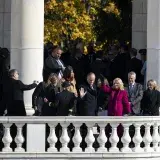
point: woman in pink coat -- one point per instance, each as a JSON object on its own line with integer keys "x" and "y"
{"x": 118, "y": 104}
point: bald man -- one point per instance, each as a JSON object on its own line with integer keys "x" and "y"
{"x": 87, "y": 101}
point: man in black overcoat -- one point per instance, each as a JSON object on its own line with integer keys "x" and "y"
{"x": 87, "y": 100}
{"x": 13, "y": 94}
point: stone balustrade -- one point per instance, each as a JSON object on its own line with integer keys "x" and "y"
{"x": 100, "y": 137}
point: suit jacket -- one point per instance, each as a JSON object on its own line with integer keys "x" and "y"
{"x": 151, "y": 103}
{"x": 65, "y": 101}
{"x": 87, "y": 105}
{"x": 118, "y": 104}
{"x": 135, "y": 96}
{"x": 51, "y": 66}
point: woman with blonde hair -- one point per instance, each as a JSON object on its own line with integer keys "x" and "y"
{"x": 151, "y": 99}
{"x": 118, "y": 104}
{"x": 44, "y": 93}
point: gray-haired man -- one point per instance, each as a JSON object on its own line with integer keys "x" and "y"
{"x": 135, "y": 93}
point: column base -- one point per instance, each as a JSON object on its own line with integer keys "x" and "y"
{"x": 29, "y": 110}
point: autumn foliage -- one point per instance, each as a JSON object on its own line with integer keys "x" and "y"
{"x": 67, "y": 20}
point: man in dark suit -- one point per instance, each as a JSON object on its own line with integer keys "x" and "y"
{"x": 13, "y": 94}
{"x": 135, "y": 65}
{"x": 53, "y": 64}
{"x": 65, "y": 101}
{"x": 87, "y": 101}
{"x": 135, "y": 93}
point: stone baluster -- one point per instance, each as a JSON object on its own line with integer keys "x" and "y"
{"x": 147, "y": 139}
{"x": 7, "y": 139}
{"x": 102, "y": 139}
{"x": 126, "y": 139}
{"x": 19, "y": 139}
{"x": 90, "y": 139}
{"x": 114, "y": 139}
{"x": 64, "y": 139}
{"x": 137, "y": 139}
{"x": 156, "y": 138}
{"x": 52, "y": 139}
{"x": 77, "y": 139}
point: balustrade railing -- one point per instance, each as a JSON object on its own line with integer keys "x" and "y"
{"x": 85, "y": 135}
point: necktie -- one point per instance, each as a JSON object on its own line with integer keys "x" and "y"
{"x": 92, "y": 87}
{"x": 131, "y": 88}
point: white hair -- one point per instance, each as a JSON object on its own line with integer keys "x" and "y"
{"x": 132, "y": 73}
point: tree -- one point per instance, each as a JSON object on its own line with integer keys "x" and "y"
{"x": 67, "y": 20}
{"x": 89, "y": 20}
{"x": 115, "y": 25}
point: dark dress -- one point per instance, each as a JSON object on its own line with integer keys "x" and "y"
{"x": 13, "y": 95}
{"x": 150, "y": 103}
{"x": 102, "y": 100}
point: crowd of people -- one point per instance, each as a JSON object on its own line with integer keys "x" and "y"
{"x": 108, "y": 84}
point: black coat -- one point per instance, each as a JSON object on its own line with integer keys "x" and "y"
{"x": 118, "y": 66}
{"x": 98, "y": 68}
{"x": 150, "y": 103}
{"x": 135, "y": 65}
{"x": 65, "y": 101}
{"x": 4, "y": 69}
{"x": 78, "y": 65}
{"x": 87, "y": 105}
{"x": 13, "y": 96}
{"x": 48, "y": 92}
{"x": 42, "y": 91}
{"x": 51, "y": 66}
{"x": 102, "y": 99}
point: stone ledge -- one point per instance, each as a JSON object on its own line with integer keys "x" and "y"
{"x": 124, "y": 156}
{"x": 79, "y": 119}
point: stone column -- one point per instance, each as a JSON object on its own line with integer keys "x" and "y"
{"x": 1, "y": 21}
{"x": 153, "y": 40}
{"x": 5, "y": 23}
{"x": 139, "y": 24}
{"x": 27, "y": 32}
